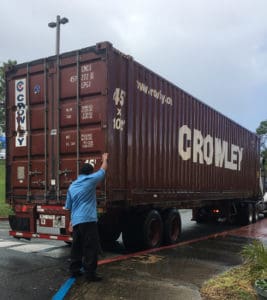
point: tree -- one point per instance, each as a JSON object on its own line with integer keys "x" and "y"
{"x": 3, "y": 91}
{"x": 262, "y": 132}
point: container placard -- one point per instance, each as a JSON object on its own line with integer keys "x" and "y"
{"x": 20, "y": 119}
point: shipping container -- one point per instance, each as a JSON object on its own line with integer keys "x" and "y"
{"x": 167, "y": 150}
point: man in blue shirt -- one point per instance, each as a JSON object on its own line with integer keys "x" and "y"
{"x": 81, "y": 201}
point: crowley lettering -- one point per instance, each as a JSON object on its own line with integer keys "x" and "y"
{"x": 208, "y": 150}
{"x": 20, "y": 119}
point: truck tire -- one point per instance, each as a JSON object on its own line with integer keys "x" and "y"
{"x": 152, "y": 229}
{"x": 172, "y": 226}
{"x": 142, "y": 231}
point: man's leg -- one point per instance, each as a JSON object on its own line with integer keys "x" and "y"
{"x": 76, "y": 251}
{"x": 90, "y": 250}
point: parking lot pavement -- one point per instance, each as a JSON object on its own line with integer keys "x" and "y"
{"x": 41, "y": 267}
{"x": 176, "y": 273}
{"x": 31, "y": 269}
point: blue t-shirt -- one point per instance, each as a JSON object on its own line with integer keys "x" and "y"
{"x": 81, "y": 198}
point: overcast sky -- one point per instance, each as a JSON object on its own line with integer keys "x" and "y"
{"x": 214, "y": 49}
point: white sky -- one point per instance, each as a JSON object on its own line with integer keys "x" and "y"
{"x": 214, "y": 49}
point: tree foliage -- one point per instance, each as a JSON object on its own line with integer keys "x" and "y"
{"x": 3, "y": 91}
{"x": 262, "y": 132}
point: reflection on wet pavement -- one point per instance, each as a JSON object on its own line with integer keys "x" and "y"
{"x": 256, "y": 231}
{"x": 175, "y": 273}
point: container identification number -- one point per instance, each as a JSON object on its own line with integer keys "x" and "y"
{"x": 86, "y": 78}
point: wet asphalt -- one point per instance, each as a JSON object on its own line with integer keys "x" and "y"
{"x": 30, "y": 273}
{"x": 176, "y": 273}
{"x": 172, "y": 273}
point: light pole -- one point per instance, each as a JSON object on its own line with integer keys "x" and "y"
{"x": 55, "y": 125}
{"x": 57, "y": 25}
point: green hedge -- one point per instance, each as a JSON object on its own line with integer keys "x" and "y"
{"x": 4, "y": 208}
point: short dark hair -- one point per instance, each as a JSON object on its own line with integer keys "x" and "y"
{"x": 86, "y": 169}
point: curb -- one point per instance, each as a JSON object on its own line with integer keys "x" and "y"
{"x": 3, "y": 219}
{"x": 62, "y": 292}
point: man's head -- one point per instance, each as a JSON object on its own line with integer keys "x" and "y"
{"x": 86, "y": 169}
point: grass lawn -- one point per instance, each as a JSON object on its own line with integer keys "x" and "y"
{"x": 235, "y": 284}
{"x": 4, "y": 208}
{"x": 238, "y": 283}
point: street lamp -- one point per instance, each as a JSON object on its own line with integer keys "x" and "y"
{"x": 57, "y": 25}
{"x": 55, "y": 163}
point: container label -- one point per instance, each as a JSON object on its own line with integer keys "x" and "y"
{"x": 154, "y": 93}
{"x": 21, "y": 116}
{"x": 87, "y": 111}
{"x": 21, "y": 174}
{"x": 119, "y": 96}
{"x": 86, "y": 78}
{"x": 52, "y": 221}
{"x": 208, "y": 150}
{"x": 87, "y": 140}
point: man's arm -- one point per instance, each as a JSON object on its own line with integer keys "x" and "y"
{"x": 98, "y": 176}
{"x": 104, "y": 161}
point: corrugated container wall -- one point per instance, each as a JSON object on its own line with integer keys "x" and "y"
{"x": 164, "y": 145}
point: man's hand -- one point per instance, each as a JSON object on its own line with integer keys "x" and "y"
{"x": 70, "y": 227}
{"x": 104, "y": 156}
{"x": 104, "y": 161}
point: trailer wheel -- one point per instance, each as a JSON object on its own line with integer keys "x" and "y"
{"x": 172, "y": 226}
{"x": 152, "y": 229}
{"x": 246, "y": 214}
{"x": 143, "y": 230}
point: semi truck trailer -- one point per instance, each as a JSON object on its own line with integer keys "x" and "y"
{"x": 167, "y": 150}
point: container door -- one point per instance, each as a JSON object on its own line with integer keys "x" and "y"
{"x": 27, "y": 134}
{"x": 82, "y": 116}
{"x": 56, "y": 121}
